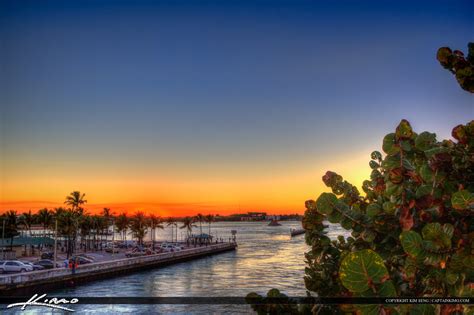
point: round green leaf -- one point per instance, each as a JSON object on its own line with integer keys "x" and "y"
{"x": 325, "y": 203}
{"x": 436, "y": 150}
{"x": 412, "y": 243}
{"x": 437, "y": 236}
{"x": 405, "y": 145}
{"x": 373, "y": 164}
{"x": 388, "y": 144}
{"x": 462, "y": 199}
{"x": 373, "y": 209}
{"x": 346, "y": 223}
{"x": 358, "y": 269}
{"x": 391, "y": 162}
{"x": 431, "y": 231}
{"x": 335, "y": 217}
{"x": 389, "y": 207}
{"x": 426, "y": 173}
{"x": 376, "y": 155}
{"x": 386, "y": 289}
{"x": 425, "y": 140}
{"x": 423, "y": 190}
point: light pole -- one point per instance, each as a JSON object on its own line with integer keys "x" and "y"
{"x": 55, "y": 241}
{"x": 172, "y": 233}
{"x": 3, "y": 239}
{"x": 113, "y": 238}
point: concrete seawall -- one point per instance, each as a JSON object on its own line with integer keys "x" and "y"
{"x": 48, "y": 279}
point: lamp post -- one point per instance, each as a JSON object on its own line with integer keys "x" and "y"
{"x": 3, "y": 239}
{"x": 113, "y": 238}
{"x": 55, "y": 241}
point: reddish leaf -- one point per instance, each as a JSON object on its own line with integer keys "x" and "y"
{"x": 396, "y": 175}
{"x": 406, "y": 219}
{"x": 459, "y": 133}
{"x": 424, "y": 202}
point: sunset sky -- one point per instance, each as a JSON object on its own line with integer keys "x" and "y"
{"x": 221, "y": 107}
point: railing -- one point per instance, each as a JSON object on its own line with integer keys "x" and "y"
{"x": 109, "y": 265}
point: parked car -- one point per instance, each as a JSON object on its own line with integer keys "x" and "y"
{"x": 82, "y": 260}
{"x": 86, "y": 256}
{"x": 127, "y": 244}
{"x": 46, "y": 263}
{"x": 47, "y": 255}
{"x": 112, "y": 249}
{"x": 35, "y": 267}
{"x": 169, "y": 248}
{"x": 14, "y": 266}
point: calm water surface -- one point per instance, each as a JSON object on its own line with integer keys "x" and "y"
{"x": 267, "y": 257}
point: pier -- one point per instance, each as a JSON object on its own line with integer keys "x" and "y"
{"x": 295, "y": 232}
{"x": 59, "y": 277}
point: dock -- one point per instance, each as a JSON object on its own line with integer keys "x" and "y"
{"x": 59, "y": 277}
{"x": 295, "y": 232}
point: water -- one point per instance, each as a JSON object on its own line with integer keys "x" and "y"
{"x": 267, "y": 257}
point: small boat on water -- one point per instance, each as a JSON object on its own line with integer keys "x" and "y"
{"x": 295, "y": 232}
{"x": 274, "y": 223}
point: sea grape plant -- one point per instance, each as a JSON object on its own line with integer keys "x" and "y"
{"x": 461, "y": 67}
{"x": 411, "y": 233}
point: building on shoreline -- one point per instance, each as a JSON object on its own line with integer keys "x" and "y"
{"x": 254, "y": 216}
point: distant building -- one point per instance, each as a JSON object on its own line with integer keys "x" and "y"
{"x": 272, "y": 217}
{"x": 254, "y": 216}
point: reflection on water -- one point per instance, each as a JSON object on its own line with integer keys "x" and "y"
{"x": 267, "y": 257}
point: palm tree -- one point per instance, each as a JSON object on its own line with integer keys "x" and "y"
{"x": 188, "y": 224}
{"x": 106, "y": 213}
{"x": 45, "y": 217}
{"x": 154, "y": 222}
{"x": 27, "y": 219}
{"x": 121, "y": 223}
{"x": 68, "y": 226}
{"x": 75, "y": 200}
{"x": 85, "y": 226}
{"x": 209, "y": 219}
{"x": 11, "y": 226}
{"x": 200, "y": 218}
{"x": 101, "y": 225}
{"x": 171, "y": 221}
{"x": 138, "y": 226}
{"x": 96, "y": 225}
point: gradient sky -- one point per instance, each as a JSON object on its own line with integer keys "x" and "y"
{"x": 182, "y": 107}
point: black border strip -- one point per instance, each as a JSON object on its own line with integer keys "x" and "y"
{"x": 219, "y": 300}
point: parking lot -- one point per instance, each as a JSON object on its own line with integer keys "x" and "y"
{"x": 109, "y": 252}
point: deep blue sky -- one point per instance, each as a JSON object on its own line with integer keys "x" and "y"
{"x": 220, "y": 88}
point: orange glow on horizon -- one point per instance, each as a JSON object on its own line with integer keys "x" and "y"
{"x": 282, "y": 192}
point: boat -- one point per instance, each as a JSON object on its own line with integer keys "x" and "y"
{"x": 295, "y": 232}
{"x": 274, "y": 223}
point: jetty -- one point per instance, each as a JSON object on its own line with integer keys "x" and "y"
{"x": 295, "y": 232}
{"x": 59, "y": 277}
